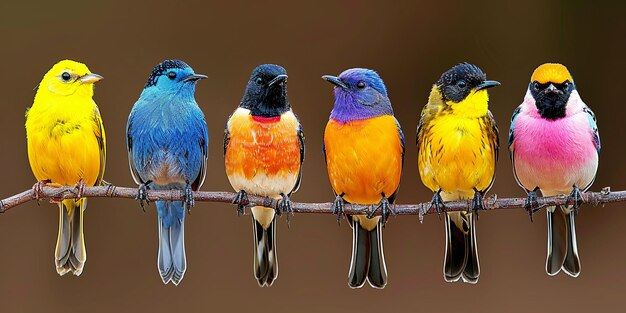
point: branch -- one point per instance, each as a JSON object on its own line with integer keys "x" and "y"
{"x": 421, "y": 209}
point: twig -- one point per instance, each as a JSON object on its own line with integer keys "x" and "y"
{"x": 421, "y": 209}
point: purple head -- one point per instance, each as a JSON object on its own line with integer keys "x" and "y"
{"x": 359, "y": 94}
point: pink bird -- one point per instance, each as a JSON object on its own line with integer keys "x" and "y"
{"x": 554, "y": 146}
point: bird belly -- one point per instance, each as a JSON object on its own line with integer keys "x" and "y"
{"x": 554, "y": 155}
{"x": 263, "y": 158}
{"x": 456, "y": 156}
{"x": 364, "y": 158}
{"x": 64, "y": 152}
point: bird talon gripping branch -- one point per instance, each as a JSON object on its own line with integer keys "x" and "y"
{"x": 188, "y": 200}
{"x": 142, "y": 195}
{"x": 575, "y": 199}
{"x": 338, "y": 208}
{"x": 38, "y": 188}
{"x": 241, "y": 200}
{"x": 437, "y": 203}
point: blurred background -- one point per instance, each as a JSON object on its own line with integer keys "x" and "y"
{"x": 410, "y": 45}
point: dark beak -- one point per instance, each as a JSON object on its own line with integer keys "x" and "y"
{"x": 335, "y": 81}
{"x": 278, "y": 79}
{"x": 90, "y": 78}
{"x": 487, "y": 84}
{"x": 194, "y": 77}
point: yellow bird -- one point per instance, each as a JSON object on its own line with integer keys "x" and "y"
{"x": 67, "y": 146}
{"x": 457, "y": 141}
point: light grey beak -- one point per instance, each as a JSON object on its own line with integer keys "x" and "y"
{"x": 194, "y": 77}
{"x": 277, "y": 79}
{"x": 90, "y": 78}
{"x": 335, "y": 81}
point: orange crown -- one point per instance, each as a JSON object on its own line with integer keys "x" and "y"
{"x": 551, "y": 72}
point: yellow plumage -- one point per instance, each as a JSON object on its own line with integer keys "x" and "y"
{"x": 67, "y": 146}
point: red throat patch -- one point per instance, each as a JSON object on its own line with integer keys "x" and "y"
{"x": 262, "y": 119}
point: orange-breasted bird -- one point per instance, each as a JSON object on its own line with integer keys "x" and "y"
{"x": 364, "y": 150}
{"x": 264, "y": 151}
{"x": 457, "y": 141}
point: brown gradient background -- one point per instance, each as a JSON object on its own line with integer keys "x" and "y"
{"x": 410, "y": 45}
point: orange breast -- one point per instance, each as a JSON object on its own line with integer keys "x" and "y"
{"x": 364, "y": 158}
{"x": 263, "y": 154}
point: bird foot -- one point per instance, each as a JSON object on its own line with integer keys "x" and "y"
{"x": 284, "y": 206}
{"x": 532, "y": 205}
{"x": 80, "y": 187}
{"x": 385, "y": 210}
{"x": 575, "y": 199}
{"x": 477, "y": 202}
{"x": 142, "y": 195}
{"x": 338, "y": 208}
{"x": 437, "y": 203}
{"x": 241, "y": 200}
{"x": 188, "y": 200}
{"x": 38, "y": 188}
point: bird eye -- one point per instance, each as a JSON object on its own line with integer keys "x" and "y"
{"x": 360, "y": 85}
{"x": 66, "y": 76}
{"x": 462, "y": 84}
{"x": 258, "y": 80}
{"x": 536, "y": 85}
{"x": 171, "y": 75}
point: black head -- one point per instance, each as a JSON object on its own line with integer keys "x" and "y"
{"x": 551, "y": 86}
{"x": 458, "y": 82}
{"x": 266, "y": 92}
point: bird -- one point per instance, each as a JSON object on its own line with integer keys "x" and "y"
{"x": 554, "y": 146}
{"x": 167, "y": 140}
{"x": 263, "y": 156}
{"x": 457, "y": 142}
{"x": 364, "y": 152}
{"x": 67, "y": 146}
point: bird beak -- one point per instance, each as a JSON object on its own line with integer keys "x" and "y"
{"x": 90, "y": 78}
{"x": 335, "y": 81}
{"x": 551, "y": 89}
{"x": 194, "y": 77}
{"x": 487, "y": 84}
{"x": 277, "y": 79}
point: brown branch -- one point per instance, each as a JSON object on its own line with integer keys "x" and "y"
{"x": 421, "y": 209}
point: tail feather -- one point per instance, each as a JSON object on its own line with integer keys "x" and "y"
{"x": 461, "y": 256}
{"x": 571, "y": 265}
{"x": 377, "y": 275}
{"x": 171, "y": 260}
{"x": 368, "y": 259}
{"x": 70, "y": 253}
{"x": 557, "y": 241}
{"x": 265, "y": 253}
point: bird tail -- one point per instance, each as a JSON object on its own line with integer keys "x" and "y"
{"x": 70, "y": 253}
{"x": 171, "y": 261}
{"x": 461, "y": 257}
{"x": 265, "y": 250}
{"x": 562, "y": 244}
{"x": 368, "y": 258}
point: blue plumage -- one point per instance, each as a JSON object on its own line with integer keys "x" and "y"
{"x": 167, "y": 140}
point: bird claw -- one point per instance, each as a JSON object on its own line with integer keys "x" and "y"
{"x": 338, "y": 208}
{"x": 142, "y": 195}
{"x": 241, "y": 200}
{"x": 80, "y": 187}
{"x": 532, "y": 205}
{"x": 385, "y": 210}
{"x": 284, "y": 206}
{"x": 38, "y": 188}
{"x": 437, "y": 203}
{"x": 188, "y": 200}
{"x": 575, "y": 198}
{"x": 477, "y": 202}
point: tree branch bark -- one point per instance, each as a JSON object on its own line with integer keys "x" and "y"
{"x": 421, "y": 209}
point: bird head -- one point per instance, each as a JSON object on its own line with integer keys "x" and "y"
{"x": 359, "y": 94}
{"x": 464, "y": 89}
{"x": 173, "y": 76}
{"x": 266, "y": 91}
{"x": 68, "y": 78}
{"x": 551, "y": 86}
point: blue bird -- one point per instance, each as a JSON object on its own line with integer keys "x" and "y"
{"x": 167, "y": 141}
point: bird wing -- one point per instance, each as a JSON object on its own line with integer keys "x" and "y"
{"x": 204, "y": 148}
{"x": 392, "y": 197}
{"x": 301, "y": 143}
{"x": 493, "y": 135}
{"x": 594, "y": 126}
{"x": 101, "y": 138}
{"x": 129, "y": 147}
{"x": 512, "y": 146}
